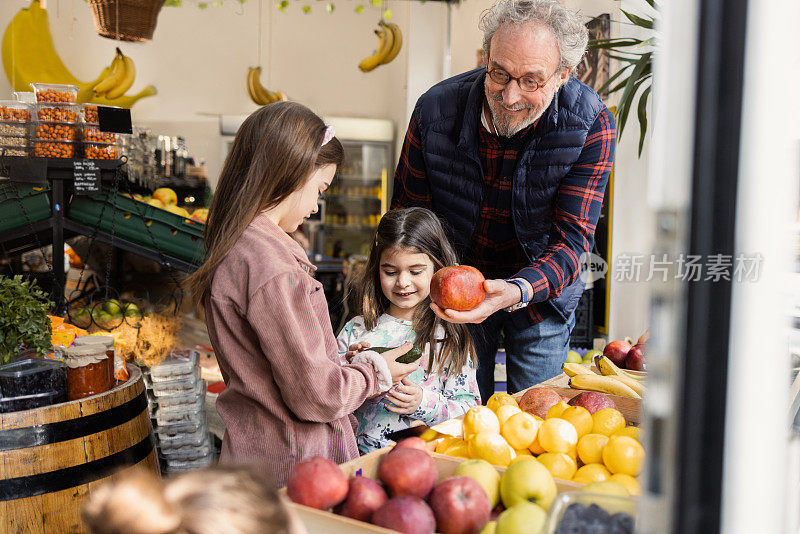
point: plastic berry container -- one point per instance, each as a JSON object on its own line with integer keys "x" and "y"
{"x": 32, "y": 377}
{"x": 575, "y": 511}
{"x": 54, "y": 92}
{"x": 94, "y": 135}
{"x": 100, "y": 150}
{"x": 67, "y": 113}
{"x": 13, "y": 111}
{"x": 54, "y": 149}
{"x": 60, "y": 131}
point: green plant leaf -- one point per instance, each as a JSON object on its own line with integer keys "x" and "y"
{"x": 613, "y": 43}
{"x": 616, "y": 75}
{"x": 634, "y": 81}
{"x": 387, "y": 15}
{"x": 642, "y": 112}
{"x": 306, "y": 9}
{"x": 375, "y": 3}
{"x": 639, "y": 21}
{"x": 330, "y": 7}
{"x": 216, "y": 3}
{"x": 173, "y": 3}
{"x": 202, "y": 5}
{"x": 359, "y": 9}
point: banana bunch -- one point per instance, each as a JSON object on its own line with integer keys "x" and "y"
{"x": 390, "y": 41}
{"x": 29, "y": 55}
{"x": 611, "y": 380}
{"x": 257, "y": 92}
{"x": 119, "y": 77}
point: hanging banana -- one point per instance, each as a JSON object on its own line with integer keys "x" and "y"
{"x": 257, "y": 92}
{"x": 29, "y": 55}
{"x": 390, "y": 41}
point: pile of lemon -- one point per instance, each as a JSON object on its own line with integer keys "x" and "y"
{"x": 571, "y": 442}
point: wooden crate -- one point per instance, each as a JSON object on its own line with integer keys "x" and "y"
{"x": 320, "y": 522}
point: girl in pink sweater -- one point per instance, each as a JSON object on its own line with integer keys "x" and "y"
{"x": 287, "y": 396}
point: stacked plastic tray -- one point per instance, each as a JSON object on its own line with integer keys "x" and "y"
{"x": 176, "y": 396}
{"x": 15, "y": 128}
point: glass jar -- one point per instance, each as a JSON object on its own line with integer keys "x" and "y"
{"x": 108, "y": 343}
{"x": 87, "y": 370}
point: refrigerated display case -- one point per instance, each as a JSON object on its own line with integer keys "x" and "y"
{"x": 359, "y": 194}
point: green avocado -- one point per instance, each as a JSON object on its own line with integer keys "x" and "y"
{"x": 409, "y": 357}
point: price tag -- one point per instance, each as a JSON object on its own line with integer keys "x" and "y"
{"x": 87, "y": 177}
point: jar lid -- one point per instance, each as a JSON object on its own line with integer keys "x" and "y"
{"x": 82, "y": 341}
{"x": 81, "y": 356}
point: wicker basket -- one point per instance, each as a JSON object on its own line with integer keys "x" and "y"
{"x": 126, "y": 20}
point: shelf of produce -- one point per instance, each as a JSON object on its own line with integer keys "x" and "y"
{"x": 318, "y": 521}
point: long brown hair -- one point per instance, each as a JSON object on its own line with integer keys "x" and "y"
{"x": 235, "y": 500}
{"x": 420, "y": 231}
{"x": 275, "y": 151}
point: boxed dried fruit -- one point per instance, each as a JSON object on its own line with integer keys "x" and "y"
{"x": 54, "y": 149}
{"x": 13, "y": 141}
{"x": 101, "y": 151}
{"x": 58, "y": 112}
{"x": 54, "y": 92}
{"x": 56, "y": 130}
{"x": 15, "y": 150}
{"x": 14, "y": 111}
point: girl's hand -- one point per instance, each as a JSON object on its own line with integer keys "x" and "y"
{"x": 499, "y": 294}
{"x": 354, "y": 349}
{"x": 405, "y": 396}
{"x": 399, "y": 370}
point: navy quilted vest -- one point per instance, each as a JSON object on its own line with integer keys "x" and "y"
{"x": 449, "y": 118}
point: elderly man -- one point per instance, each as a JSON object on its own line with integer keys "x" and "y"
{"x": 514, "y": 158}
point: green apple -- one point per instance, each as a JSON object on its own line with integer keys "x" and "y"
{"x": 522, "y": 518}
{"x": 589, "y": 356}
{"x": 489, "y": 528}
{"x": 574, "y": 357}
{"x": 485, "y": 474}
{"x": 527, "y": 481}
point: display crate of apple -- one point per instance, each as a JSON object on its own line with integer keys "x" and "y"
{"x": 403, "y": 475}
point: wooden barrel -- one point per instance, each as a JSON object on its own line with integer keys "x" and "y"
{"x": 52, "y": 457}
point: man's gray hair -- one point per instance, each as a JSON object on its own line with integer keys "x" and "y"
{"x": 565, "y": 24}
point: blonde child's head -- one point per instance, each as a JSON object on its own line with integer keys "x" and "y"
{"x": 277, "y": 149}
{"x": 415, "y": 231}
{"x": 233, "y": 500}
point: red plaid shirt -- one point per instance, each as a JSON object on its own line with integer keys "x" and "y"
{"x": 495, "y": 249}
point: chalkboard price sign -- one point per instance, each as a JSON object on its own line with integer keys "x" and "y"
{"x": 87, "y": 177}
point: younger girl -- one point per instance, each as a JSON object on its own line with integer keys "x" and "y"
{"x": 287, "y": 396}
{"x": 410, "y": 245}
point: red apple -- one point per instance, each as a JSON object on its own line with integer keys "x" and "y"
{"x": 635, "y": 359}
{"x": 408, "y": 471}
{"x": 409, "y": 515}
{"x": 317, "y": 482}
{"x": 364, "y": 497}
{"x": 593, "y": 401}
{"x": 460, "y": 506}
{"x": 412, "y": 442}
{"x": 616, "y": 352}
{"x": 457, "y": 288}
{"x": 537, "y": 401}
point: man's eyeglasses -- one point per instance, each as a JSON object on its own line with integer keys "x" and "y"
{"x": 526, "y": 83}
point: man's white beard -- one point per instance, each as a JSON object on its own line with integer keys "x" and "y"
{"x": 505, "y": 129}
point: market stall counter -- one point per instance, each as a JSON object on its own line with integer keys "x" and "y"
{"x": 51, "y": 457}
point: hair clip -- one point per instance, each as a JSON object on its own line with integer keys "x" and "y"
{"x": 330, "y": 131}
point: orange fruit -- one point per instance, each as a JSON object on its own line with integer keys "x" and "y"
{"x": 491, "y": 447}
{"x": 505, "y": 411}
{"x": 535, "y": 448}
{"x": 590, "y": 448}
{"x": 520, "y": 430}
{"x": 591, "y": 473}
{"x": 557, "y": 409}
{"x": 630, "y": 483}
{"x": 557, "y": 435}
{"x": 630, "y": 431}
{"x": 480, "y": 419}
{"x": 607, "y": 421}
{"x": 559, "y": 464}
{"x": 580, "y": 418}
{"x": 501, "y": 398}
{"x": 624, "y": 455}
